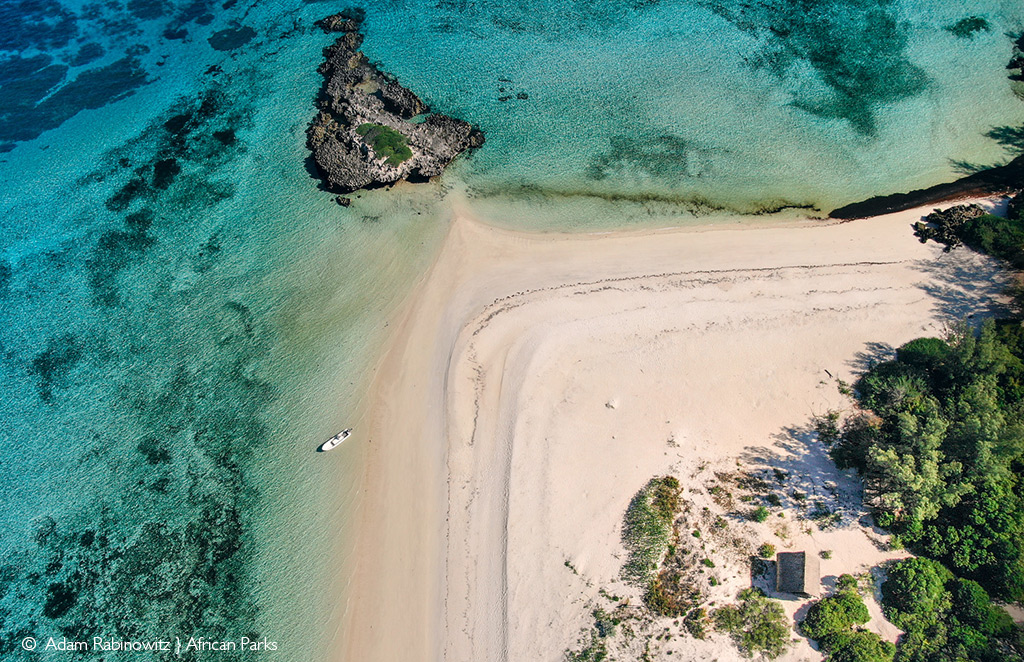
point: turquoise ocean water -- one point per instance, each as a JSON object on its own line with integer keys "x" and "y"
{"x": 185, "y": 315}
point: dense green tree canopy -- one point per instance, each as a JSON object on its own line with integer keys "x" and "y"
{"x": 942, "y": 453}
{"x": 940, "y": 444}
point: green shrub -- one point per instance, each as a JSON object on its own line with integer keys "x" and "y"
{"x": 915, "y": 587}
{"x": 667, "y": 595}
{"x": 972, "y": 606}
{"x": 604, "y": 623}
{"x": 846, "y": 583}
{"x": 946, "y": 618}
{"x": 825, "y": 554}
{"x": 927, "y": 354}
{"x": 386, "y": 142}
{"x": 996, "y": 236}
{"x": 827, "y": 427}
{"x": 834, "y": 614}
{"x": 695, "y": 622}
{"x": 757, "y": 624}
{"x": 766, "y": 550}
{"x": 861, "y": 646}
{"x": 592, "y": 650}
{"x": 665, "y": 497}
{"x": 831, "y": 622}
{"x": 759, "y": 514}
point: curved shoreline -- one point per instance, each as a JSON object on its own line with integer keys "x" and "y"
{"x": 439, "y": 550}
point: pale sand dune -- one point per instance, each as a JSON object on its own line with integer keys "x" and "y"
{"x": 536, "y": 382}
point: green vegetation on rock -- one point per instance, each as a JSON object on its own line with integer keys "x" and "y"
{"x": 386, "y": 142}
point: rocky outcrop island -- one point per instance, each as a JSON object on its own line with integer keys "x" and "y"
{"x": 362, "y": 136}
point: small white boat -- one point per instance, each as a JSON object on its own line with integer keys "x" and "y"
{"x": 335, "y": 441}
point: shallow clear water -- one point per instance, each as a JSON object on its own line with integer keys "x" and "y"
{"x": 185, "y": 316}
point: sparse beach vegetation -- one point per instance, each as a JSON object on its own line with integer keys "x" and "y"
{"x": 647, "y": 528}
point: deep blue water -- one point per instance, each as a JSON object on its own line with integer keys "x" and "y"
{"x": 184, "y": 315}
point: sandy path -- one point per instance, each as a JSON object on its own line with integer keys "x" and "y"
{"x": 535, "y": 383}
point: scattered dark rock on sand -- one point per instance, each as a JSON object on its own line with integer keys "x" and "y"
{"x": 361, "y": 136}
{"x": 343, "y": 201}
{"x": 944, "y": 226}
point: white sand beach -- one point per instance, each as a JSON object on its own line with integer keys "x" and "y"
{"x": 534, "y": 383}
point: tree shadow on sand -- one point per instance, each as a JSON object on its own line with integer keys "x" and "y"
{"x": 965, "y": 285}
{"x": 811, "y": 485}
{"x": 872, "y": 354}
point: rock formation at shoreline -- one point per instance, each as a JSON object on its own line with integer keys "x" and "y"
{"x": 362, "y": 136}
{"x": 993, "y": 181}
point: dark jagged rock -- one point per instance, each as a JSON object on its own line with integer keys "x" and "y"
{"x": 993, "y": 181}
{"x": 945, "y": 226}
{"x": 361, "y": 136}
{"x": 343, "y": 201}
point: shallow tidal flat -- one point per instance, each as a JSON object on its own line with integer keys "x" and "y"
{"x": 536, "y": 383}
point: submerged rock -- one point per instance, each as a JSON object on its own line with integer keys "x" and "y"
{"x": 361, "y": 136}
